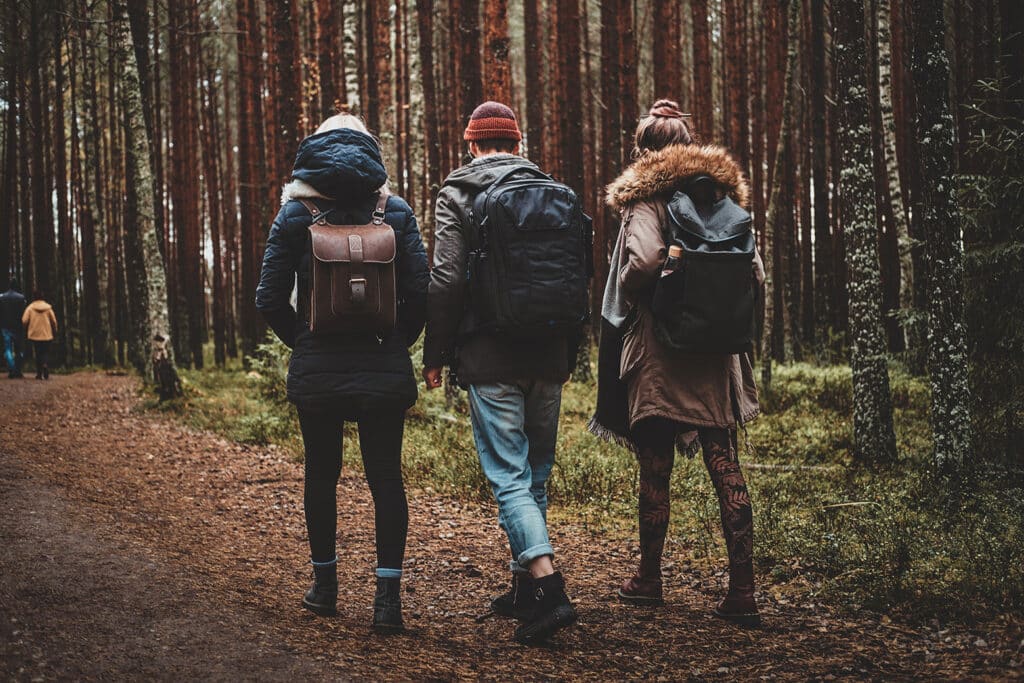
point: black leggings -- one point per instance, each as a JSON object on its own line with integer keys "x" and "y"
{"x": 380, "y": 440}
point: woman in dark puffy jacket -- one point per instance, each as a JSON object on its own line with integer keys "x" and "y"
{"x": 337, "y": 378}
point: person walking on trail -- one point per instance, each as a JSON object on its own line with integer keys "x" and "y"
{"x": 41, "y": 324}
{"x": 507, "y": 299}
{"x": 12, "y": 307}
{"x": 656, "y": 390}
{"x": 362, "y": 284}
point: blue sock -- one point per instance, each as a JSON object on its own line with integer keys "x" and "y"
{"x": 386, "y": 573}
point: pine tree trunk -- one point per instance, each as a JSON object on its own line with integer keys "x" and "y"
{"x": 8, "y": 193}
{"x": 947, "y": 348}
{"x": 328, "y": 50}
{"x": 153, "y": 327}
{"x": 628, "y": 77}
{"x": 776, "y": 224}
{"x": 250, "y": 171}
{"x": 873, "y": 435}
{"x": 42, "y": 218}
{"x": 67, "y": 270}
{"x": 94, "y": 239}
{"x": 535, "y": 124}
{"x": 469, "y": 59}
{"x": 819, "y": 165}
{"x": 667, "y": 78}
{"x": 497, "y": 69}
{"x": 703, "y": 115}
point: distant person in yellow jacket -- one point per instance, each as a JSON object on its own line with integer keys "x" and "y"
{"x": 41, "y": 324}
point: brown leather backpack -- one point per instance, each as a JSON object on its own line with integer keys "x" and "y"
{"x": 352, "y": 274}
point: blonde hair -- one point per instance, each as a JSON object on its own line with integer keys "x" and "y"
{"x": 337, "y": 121}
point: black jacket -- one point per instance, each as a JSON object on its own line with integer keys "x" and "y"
{"x": 480, "y": 357}
{"x": 12, "y": 306}
{"x": 342, "y": 169}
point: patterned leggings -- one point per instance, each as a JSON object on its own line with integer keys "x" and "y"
{"x": 655, "y": 439}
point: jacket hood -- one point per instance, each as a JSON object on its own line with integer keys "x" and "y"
{"x": 40, "y": 306}
{"x": 336, "y": 164}
{"x": 666, "y": 169}
{"x": 480, "y": 173}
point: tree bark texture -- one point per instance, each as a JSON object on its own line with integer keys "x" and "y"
{"x": 873, "y": 433}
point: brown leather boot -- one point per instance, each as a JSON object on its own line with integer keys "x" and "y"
{"x": 739, "y": 605}
{"x": 639, "y": 590}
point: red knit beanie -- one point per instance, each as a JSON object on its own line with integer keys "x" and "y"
{"x": 492, "y": 121}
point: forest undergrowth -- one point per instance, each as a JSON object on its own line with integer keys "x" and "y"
{"x": 885, "y": 537}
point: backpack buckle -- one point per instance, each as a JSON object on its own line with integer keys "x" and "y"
{"x": 358, "y": 287}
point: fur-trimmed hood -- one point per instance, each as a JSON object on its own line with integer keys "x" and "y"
{"x": 666, "y": 169}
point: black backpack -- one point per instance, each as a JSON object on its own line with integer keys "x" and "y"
{"x": 707, "y": 304}
{"x": 530, "y": 271}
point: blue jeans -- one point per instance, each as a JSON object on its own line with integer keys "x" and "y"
{"x": 12, "y": 352}
{"x": 515, "y": 426}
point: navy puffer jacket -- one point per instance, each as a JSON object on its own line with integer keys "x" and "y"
{"x": 341, "y": 171}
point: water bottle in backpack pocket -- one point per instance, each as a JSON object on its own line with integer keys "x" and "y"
{"x": 706, "y": 303}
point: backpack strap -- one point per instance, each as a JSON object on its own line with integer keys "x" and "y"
{"x": 314, "y": 210}
{"x": 379, "y": 210}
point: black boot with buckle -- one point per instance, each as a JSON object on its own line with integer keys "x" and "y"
{"x": 322, "y": 596}
{"x": 549, "y": 610}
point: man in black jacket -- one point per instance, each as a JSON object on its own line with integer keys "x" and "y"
{"x": 515, "y": 385}
{"x": 12, "y": 306}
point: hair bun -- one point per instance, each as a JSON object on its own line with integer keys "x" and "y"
{"x": 667, "y": 109}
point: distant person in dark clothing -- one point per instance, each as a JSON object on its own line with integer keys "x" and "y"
{"x": 41, "y": 324}
{"x": 12, "y": 306}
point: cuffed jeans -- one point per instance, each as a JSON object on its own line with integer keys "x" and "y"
{"x": 515, "y": 426}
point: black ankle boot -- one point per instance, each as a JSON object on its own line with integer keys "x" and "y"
{"x": 549, "y": 610}
{"x": 322, "y": 596}
{"x": 515, "y": 602}
{"x": 387, "y": 606}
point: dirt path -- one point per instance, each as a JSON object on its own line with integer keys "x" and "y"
{"x": 136, "y": 548}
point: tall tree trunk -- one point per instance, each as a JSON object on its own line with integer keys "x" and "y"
{"x": 819, "y": 165}
{"x": 469, "y": 59}
{"x": 667, "y": 77}
{"x": 703, "y": 114}
{"x": 535, "y": 124}
{"x": 432, "y": 133}
{"x": 289, "y": 84}
{"x": 606, "y": 223}
{"x": 65, "y": 235}
{"x": 873, "y": 434}
{"x": 779, "y": 206}
{"x": 8, "y": 193}
{"x": 947, "y": 348}
{"x": 379, "y": 89}
{"x": 629, "y": 77}
{"x": 497, "y": 68}
{"x": 94, "y": 241}
{"x": 42, "y": 218}
{"x": 898, "y": 210}
{"x": 330, "y": 21}
{"x": 251, "y": 162}
{"x": 142, "y": 242}
{"x": 211, "y": 182}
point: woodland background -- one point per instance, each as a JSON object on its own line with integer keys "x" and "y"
{"x": 145, "y": 144}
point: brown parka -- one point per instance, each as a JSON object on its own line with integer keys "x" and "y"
{"x": 697, "y": 389}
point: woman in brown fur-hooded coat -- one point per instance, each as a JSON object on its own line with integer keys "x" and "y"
{"x": 652, "y": 396}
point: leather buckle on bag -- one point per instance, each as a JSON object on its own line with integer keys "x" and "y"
{"x": 358, "y": 287}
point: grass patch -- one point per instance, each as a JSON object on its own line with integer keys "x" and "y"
{"x": 887, "y": 538}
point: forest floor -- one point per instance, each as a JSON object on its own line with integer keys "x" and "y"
{"x": 135, "y": 547}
